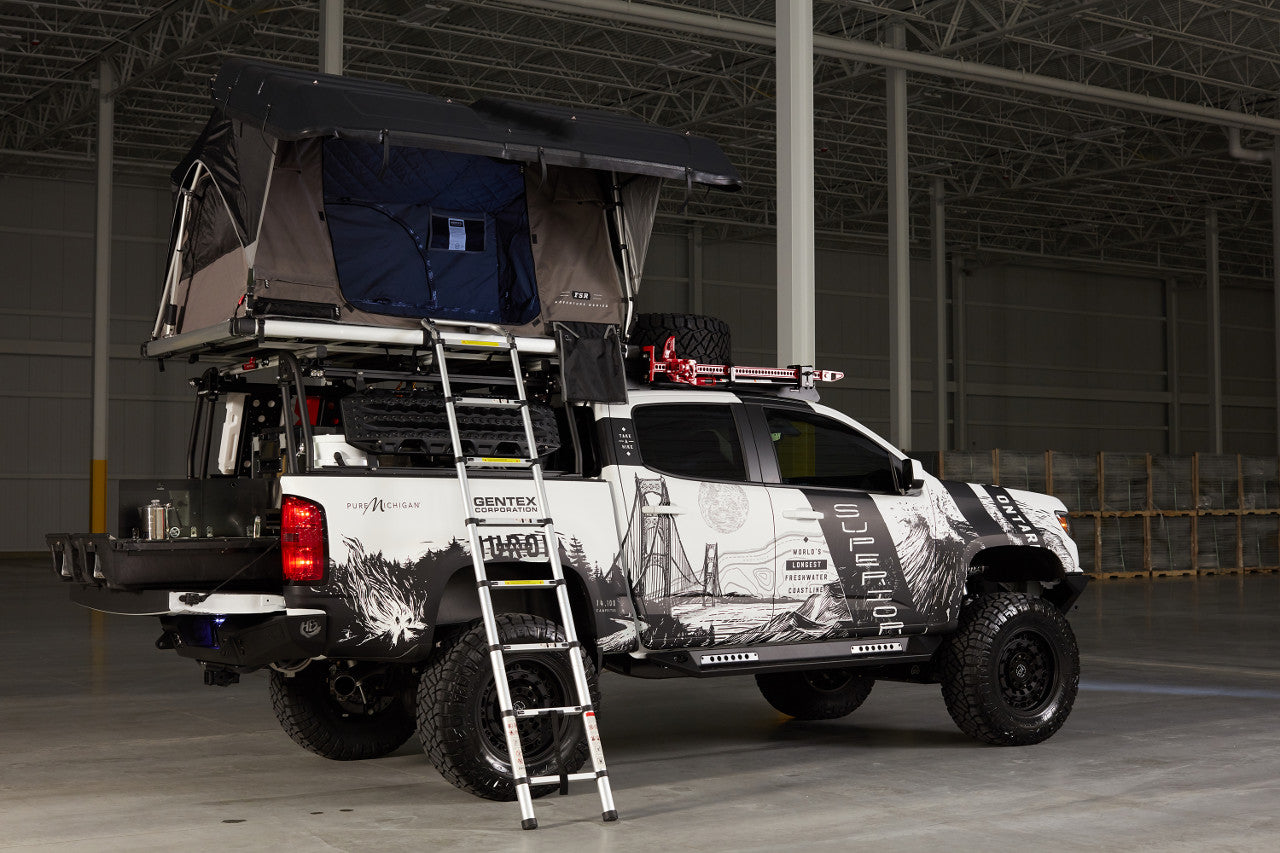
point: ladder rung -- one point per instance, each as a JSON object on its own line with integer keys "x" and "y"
{"x": 484, "y": 522}
{"x": 555, "y": 780}
{"x": 489, "y": 402}
{"x": 473, "y": 343}
{"x": 497, "y": 462}
{"x": 537, "y": 647}
{"x": 546, "y": 712}
{"x": 528, "y": 583}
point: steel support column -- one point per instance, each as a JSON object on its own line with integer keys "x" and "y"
{"x": 1275, "y": 270}
{"x": 102, "y": 298}
{"x": 1171, "y": 364}
{"x": 959, "y": 406}
{"x": 938, "y": 197}
{"x": 899, "y": 259}
{"x": 1214, "y": 319}
{"x": 796, "y": 302}
{"x": 331, "y": 37}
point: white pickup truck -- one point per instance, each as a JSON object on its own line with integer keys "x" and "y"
{"x": 323, "y": 226}
{"x": 740, "y": 530}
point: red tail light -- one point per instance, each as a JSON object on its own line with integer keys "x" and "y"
{"x": 302, "y": 540}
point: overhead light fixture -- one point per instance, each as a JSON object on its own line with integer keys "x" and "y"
{"x": 424, "y": 14}
{"x": 1132, "y": 39}
{"x": 692, "y": 56}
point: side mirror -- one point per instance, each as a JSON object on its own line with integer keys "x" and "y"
{"x": 908, "y": 480}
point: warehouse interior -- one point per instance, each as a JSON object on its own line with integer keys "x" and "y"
{"x": 1040, "y": 239}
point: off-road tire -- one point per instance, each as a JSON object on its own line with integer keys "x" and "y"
{"x": 313, "y": 715}
{"x": 460, "y": 725}
{"x": 1011, "y": 670}
{"x": 818, "y": 694}
{"x": 698, "y": 337}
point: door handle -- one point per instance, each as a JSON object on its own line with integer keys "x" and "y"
{"x": 803, "y": 515}
{"x": 662, "y": 510}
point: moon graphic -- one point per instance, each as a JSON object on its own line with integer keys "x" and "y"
{"x": 723, "y": 506}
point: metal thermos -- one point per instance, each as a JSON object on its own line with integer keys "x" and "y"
{"x": 157, "y": 520}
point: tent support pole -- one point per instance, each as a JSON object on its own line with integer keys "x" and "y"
{"x": 629, "y": 272}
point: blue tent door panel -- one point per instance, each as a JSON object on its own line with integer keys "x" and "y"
{"x": 399, "y": 282}
{"x": 452, "y": 233}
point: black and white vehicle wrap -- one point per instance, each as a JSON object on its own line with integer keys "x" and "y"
{"x": 679, "y": 551}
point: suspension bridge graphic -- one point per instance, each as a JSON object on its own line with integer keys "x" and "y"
{"x": 654, "y": 558}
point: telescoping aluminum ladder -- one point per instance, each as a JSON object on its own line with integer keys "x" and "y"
{"x": 456, "y": 337}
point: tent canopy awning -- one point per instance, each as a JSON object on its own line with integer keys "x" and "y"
{"x": 290, "y": 104}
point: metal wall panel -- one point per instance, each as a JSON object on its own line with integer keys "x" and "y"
{"x": 46, "y": 243}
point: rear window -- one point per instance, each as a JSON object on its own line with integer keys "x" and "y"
{"x": 697, "y": 441}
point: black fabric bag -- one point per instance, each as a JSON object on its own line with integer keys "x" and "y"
{"x": 591, "y": 363}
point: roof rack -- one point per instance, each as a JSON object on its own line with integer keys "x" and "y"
{"x": 687, "y": 371}
{"x": 238, "y": 338}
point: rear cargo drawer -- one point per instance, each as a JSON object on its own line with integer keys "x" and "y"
{"x": 239, "y": 563}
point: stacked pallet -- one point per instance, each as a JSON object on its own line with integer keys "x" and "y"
{"x": 1135, "y": 514}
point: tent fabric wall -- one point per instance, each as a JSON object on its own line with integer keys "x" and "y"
{"x": 567, "y": 208}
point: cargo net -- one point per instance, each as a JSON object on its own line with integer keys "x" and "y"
{"x": 1171, "y": 543}
{"x": 415, "y": 424}
{"x": 1216, "y": 536}
{"x": 1260, "y": 482}
{"x": 1022, "y": 470}
{"x": 968, "y": 466}
{"x": 1219, "y": 483}
{"x": 1075, "y": 480}
{"x": 1172, "y": 486}
{"x": 1123, "y": 543}
{"x": 1124, "y": 482}
{"x": 1260, "y": 541}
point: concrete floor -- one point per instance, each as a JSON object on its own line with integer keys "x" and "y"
{"x": 107, "y": 744}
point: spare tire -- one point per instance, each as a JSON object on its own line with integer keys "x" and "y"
{"x": 698, "y": 337}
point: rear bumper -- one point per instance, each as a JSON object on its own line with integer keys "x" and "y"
{"x": 247, "y": 642}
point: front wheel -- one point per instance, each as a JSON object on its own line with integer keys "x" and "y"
{"x": 1011, "y": 670}
{"x": 460, "y": 722}
{"x": 345, "y": 710}
{"x": 820, "y": 694}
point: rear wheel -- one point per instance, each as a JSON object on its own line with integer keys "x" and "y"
{"x": 1011, "y": 670}
{"x": 460, "y": 723}
{"x": 819, "y": 694}
{"x": 345, "y": 711}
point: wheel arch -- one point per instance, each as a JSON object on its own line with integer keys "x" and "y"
{"x": 459, "y": 602}
{"x": 1027, "y": 568}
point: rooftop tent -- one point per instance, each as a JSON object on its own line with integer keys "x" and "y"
{"x": 318, "y": 196}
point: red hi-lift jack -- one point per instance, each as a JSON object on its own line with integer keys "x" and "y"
{"x": 686, "y": 371}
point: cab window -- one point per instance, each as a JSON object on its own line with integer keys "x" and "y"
{"x": 813, "y": 450}
{"x": 698, "y": 441}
